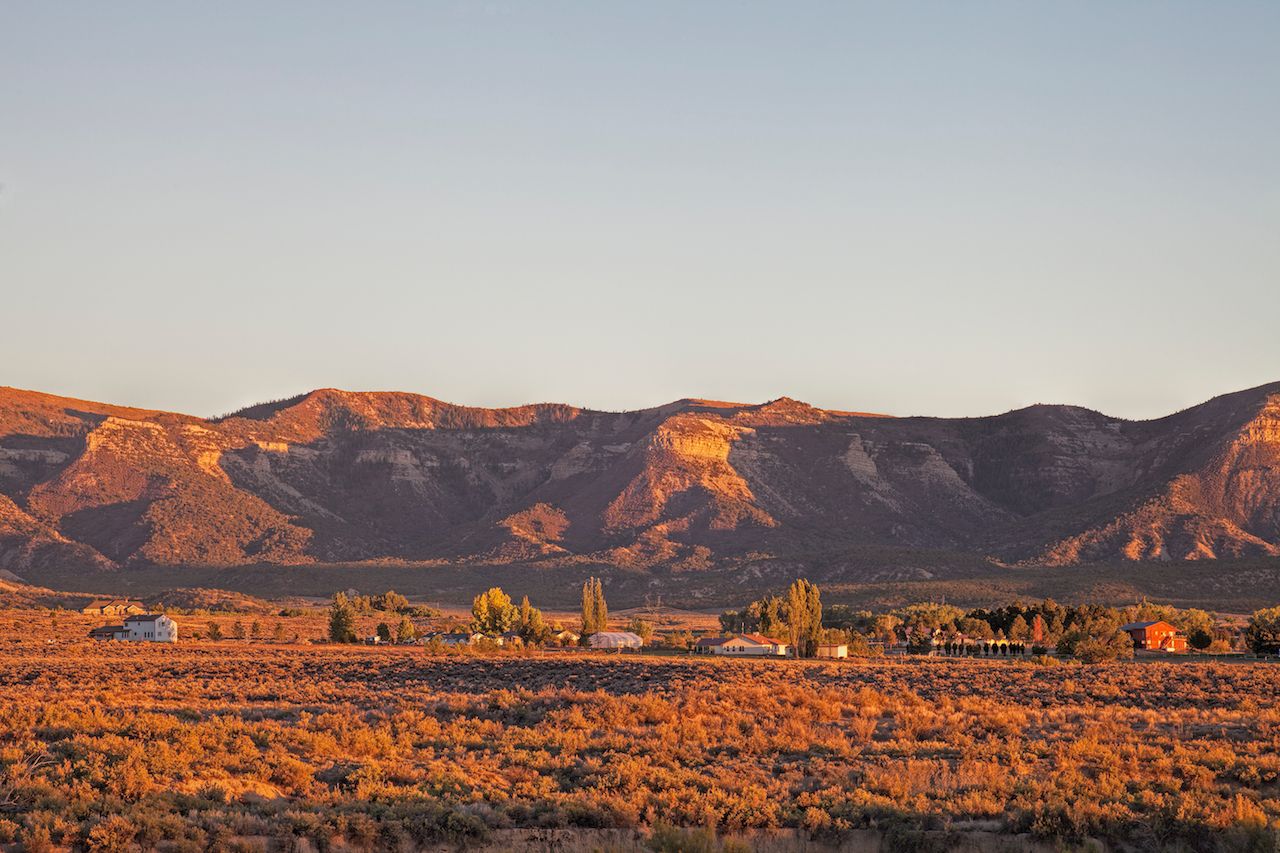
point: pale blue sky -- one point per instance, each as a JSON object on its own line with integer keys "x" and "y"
{"x": 936, "y": 208}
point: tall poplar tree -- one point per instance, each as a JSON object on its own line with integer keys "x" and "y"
{"x": 602, "y": 608}
{"x": 595, "y": 610}
{"x": 804, "y": 617}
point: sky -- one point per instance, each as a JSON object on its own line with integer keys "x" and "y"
{"x": 912, "y": 208}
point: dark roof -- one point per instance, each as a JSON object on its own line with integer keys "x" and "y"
{"x": 1137, "y": 626}
{"x": 711, "y": 641}
{"x": 106, "y": 629}
{"x": 143, "y": 617}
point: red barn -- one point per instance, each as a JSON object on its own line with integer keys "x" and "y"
{"x": 1158, "y": 636}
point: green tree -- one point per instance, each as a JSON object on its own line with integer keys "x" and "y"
{"x": 975, "y": 629}
{"x": 924, "y": 618}
{"x": 1199, "y": 639}
{"x": 1019, "y": 631}
{"x": 384, "y": 632}
{"x": 277, "y": 633}
{"x": 405, "y": 632}
{"x": 860, "y": 647}
{"x": 1192, "y": 620}
{"x": 1263, "y": 634}
{"x": 804, "y": 617}
{"x": 732, "y": 622}
{"x": 392, "y": 602}
{"x": 885, "y": 627}
{"x": 533, "y": 627}
{"x": 215, "y": 631}
{"x": 237, "y": 630}
{"x": 342, "y": 619}
{"x": 641, "y": 629}
{"x": 767, "y": 616}
{"x": 492, "y": 612}
{"x": 595, "y": 611}
{"x": 1097, "y": 648}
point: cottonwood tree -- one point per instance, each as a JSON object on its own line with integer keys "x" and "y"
{"x": 885, "y": 627}
{"x": 492, "y": 612}
{"x": 533, "y": 627}
{"x": 405, "y": 632}
{"x": 391, "y": 602}
{"x": 1097, "y": 648}
{"x": 1263, "y": 633}
{"x": 641, "y": 629}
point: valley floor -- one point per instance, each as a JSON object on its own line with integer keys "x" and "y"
{"x": 288, "y": 747}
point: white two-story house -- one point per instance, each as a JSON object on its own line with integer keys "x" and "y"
{"x": 150, "y": 627}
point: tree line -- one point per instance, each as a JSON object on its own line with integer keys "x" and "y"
{"x": 1087, "y": 631}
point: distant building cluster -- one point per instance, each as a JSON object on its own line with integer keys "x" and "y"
{"x": 113, "y": 607}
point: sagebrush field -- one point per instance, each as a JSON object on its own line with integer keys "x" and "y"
{"x": 265, "y": 746}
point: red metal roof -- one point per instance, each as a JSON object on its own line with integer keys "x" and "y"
{"x": 761, "y": 640}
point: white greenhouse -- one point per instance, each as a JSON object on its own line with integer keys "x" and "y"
{"x": 615, "y": 640}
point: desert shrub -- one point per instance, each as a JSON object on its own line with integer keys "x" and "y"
{"x": 37, "y": 839}
{"x": 197, "y": 746}
{"x": 114, "y": 834}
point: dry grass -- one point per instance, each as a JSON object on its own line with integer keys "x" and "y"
{"x": 200, "y": 746}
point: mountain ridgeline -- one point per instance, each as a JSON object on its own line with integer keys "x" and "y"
{"x": 341, "y": 477}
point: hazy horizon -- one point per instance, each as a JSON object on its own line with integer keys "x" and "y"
{"x": 918, "y": 208}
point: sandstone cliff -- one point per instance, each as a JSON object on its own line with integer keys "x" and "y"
{"x": 335, "y": 476}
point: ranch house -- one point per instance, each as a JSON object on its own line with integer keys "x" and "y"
{"x": 1157, "y": 636}
{"x": 751, "y": 644}
{"x": 142, "y": 628}
{"x": 707, "y": 645}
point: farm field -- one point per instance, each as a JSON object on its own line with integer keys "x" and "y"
{"x": 261, "y": 746}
